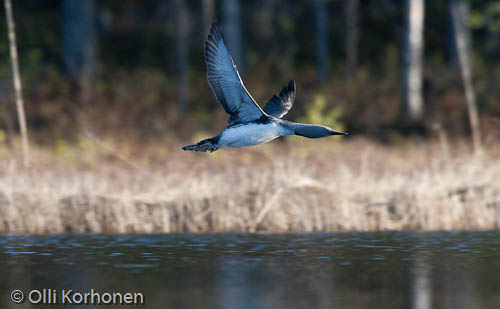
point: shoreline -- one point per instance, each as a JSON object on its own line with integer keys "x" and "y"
{"x": 356, "y": 186}
{"x": 104, "y": 215}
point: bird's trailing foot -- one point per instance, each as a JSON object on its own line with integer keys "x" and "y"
{"x": 203, "y": 146}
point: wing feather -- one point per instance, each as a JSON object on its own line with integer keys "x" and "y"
{"x": 225, "y": 81}
{"x": 280, "y": 104}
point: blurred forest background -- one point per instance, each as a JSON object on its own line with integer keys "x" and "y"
{"x": 113, "y": 89}
{"x": 135, "y": 69}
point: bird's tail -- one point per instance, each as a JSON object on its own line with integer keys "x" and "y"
{"x": 203, "y": 146}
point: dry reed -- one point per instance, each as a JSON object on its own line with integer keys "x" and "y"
{"x": 316, "y": 186}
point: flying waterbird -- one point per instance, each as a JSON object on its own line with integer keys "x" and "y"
{"x": 248, "y": 124}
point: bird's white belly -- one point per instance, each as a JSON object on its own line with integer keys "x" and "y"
{"x": 248, "y": 135}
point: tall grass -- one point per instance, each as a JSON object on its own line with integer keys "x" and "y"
{"x": 278, "y": 187}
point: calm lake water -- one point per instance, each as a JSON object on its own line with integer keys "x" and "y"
{"x": 340, "y": 270}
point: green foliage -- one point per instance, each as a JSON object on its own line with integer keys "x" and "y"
{"x": 488, "y": 17}
{"x": 319, "y": 113}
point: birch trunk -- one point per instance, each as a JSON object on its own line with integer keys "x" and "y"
{"x": 413, "y": 51}
{"x": 17, "y": 82}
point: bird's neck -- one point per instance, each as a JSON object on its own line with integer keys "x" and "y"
{"x": 291, "y": 128}
{"x": 306, "y": 130}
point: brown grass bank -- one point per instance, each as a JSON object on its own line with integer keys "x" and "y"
{"x": 100, "y": 187}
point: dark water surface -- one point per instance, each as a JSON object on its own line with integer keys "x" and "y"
{"x": 341, "y": 270}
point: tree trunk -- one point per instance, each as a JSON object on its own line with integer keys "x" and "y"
{"x": 17, "y": 82}
{"x": 181, "y": 44}
{"x": 352, "y": 35}
{"x": 232, "y": 31}
{"x": 265, "y": 19}
{"x": 413, "y": 51}
{"x": 322, "y": 47}
{"x": 208, "y": 11}
{"x": 459, "y": 10}
{"x": 79, "y": 40}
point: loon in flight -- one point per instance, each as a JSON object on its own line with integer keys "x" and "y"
{"x": 248, "y": 124}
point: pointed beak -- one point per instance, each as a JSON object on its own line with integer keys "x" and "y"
{"x": 338, "y": 133}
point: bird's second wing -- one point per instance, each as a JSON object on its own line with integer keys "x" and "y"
{"x": 225, "y": 81}
{"x": 280, "y": 104}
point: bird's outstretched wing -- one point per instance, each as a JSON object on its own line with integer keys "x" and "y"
{"x": 280, "y": 104}
{"x": 225, "y": 81}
